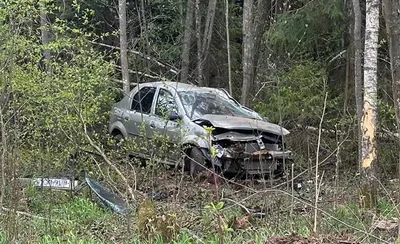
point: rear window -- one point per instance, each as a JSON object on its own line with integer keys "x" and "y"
{"x": 143, "y": 100}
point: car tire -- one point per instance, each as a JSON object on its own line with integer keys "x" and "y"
{"x": 197, "y": 161}
{"x": 279, "y": 172}
{"x": 118, "y": 137}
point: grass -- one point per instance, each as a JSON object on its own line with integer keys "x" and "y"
{"x": 80, "y": 219}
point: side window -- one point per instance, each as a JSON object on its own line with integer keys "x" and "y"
{"x": 143, "y": 99}
{"x": 165, "y": 103}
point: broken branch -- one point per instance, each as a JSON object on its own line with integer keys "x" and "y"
{"x": 105, "y": 158}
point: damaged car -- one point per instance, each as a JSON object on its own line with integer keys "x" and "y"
{"x": 242, "y": 140}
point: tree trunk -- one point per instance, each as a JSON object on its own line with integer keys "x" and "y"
{"x": 348, "y": 42}
{"x": 123, "y": 45}
{"x": 144, "y": 35}
{"x": 208, "y": 31}
{"x": 259, "y": 24}
{"x": 45, "y": 34}
{"x": 358, "y": 72}
{"x": 228, "y": 47}
{"x": 198, "y": 41}
{"x": 186, "y": 42}
{"x": 2, "y": 155}
{"x": 392, "y": 19}
{"x": 247, "y": 49}
{"x": 254, "y": 22}
{"x": 368, "y": 124}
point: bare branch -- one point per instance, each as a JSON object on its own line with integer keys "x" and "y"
{"x": 105, "y": 158}
{"x": 169, "y": 67}
{"x": 316, "y": 165}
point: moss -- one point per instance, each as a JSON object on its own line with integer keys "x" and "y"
{"x": 154, "y": 225}
{"x": 146, "y": 218}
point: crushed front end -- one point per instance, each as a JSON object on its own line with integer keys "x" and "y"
{"x": 250, "y": 152}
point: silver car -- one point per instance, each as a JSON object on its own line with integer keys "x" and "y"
{"x": 242, "y": 141}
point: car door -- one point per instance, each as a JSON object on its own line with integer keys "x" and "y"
{"x": 136, "y": 121}
{"x": 163, "y": 126}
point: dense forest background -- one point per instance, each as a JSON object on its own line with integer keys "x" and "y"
{"x": 297, "y": 62}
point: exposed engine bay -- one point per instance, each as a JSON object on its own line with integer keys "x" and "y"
{"x": 249, "y": 151}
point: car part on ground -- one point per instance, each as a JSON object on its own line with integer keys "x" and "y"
{"x": 107, "y": 197}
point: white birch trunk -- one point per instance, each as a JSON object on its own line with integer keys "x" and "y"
{"x": 368, "y": 124}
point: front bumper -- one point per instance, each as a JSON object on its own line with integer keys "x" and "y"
{"x": 254, "y": 163}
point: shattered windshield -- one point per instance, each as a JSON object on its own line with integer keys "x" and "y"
{"x": 201, "y": 102}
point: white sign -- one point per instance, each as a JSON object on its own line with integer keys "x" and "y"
{"x": 53, "y": 183}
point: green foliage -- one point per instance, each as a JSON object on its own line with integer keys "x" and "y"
{"x": 299, "y": 95}
{"x": 49, "y": 97}
{"x": 82, "y": 209}
{"x": 49, "y": 239}
{"x": 350, "y": 214}
{"x": 165, "y": 30}
{"x": 387, "y": 115}
{"x": 386, "y": 208}
{"x": 214, "y": 207}
{"x": 153, "y": 225}
{"x": 3, "y": 237}
{"x": 146, "y": 216}
{"x": 314, "y": 30}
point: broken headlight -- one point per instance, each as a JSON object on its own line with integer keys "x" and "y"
{"x": 220, "y": 150}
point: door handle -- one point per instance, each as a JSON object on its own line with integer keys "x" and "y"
{"x": 152, "y": 125}
{"x": 126, "y": 118}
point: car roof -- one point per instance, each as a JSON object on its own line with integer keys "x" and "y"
{"x": 178, "y": 86}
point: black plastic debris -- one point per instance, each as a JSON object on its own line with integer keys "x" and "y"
{"x": 108, "y": 198}
{"x": 159, "y": 196}
{"x": 258, "y": 213}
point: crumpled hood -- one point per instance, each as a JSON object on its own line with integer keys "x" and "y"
{"x": 240, "y": 123}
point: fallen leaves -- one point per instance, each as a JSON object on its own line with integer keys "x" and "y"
{"x": 387, "y": 224}
{"x": 242, "y": 222}
{"x": 291, "y": 240}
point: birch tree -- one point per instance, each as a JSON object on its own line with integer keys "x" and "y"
{"x": 123, "y": 45}
{"x": 368, "y": 124}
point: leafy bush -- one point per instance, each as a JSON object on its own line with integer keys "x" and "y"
{"x": 298, "y": 95}
{"x": 50, "y": 96}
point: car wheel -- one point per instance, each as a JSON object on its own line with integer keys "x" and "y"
{"x": 197, "y": 161}
{"x": 279, "y": 172}
{"x": 118, "y": 137}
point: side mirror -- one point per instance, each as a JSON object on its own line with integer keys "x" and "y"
{"x": 174, "y": 116}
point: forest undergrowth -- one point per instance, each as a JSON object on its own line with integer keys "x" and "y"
{"x": 172, "y": 207}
